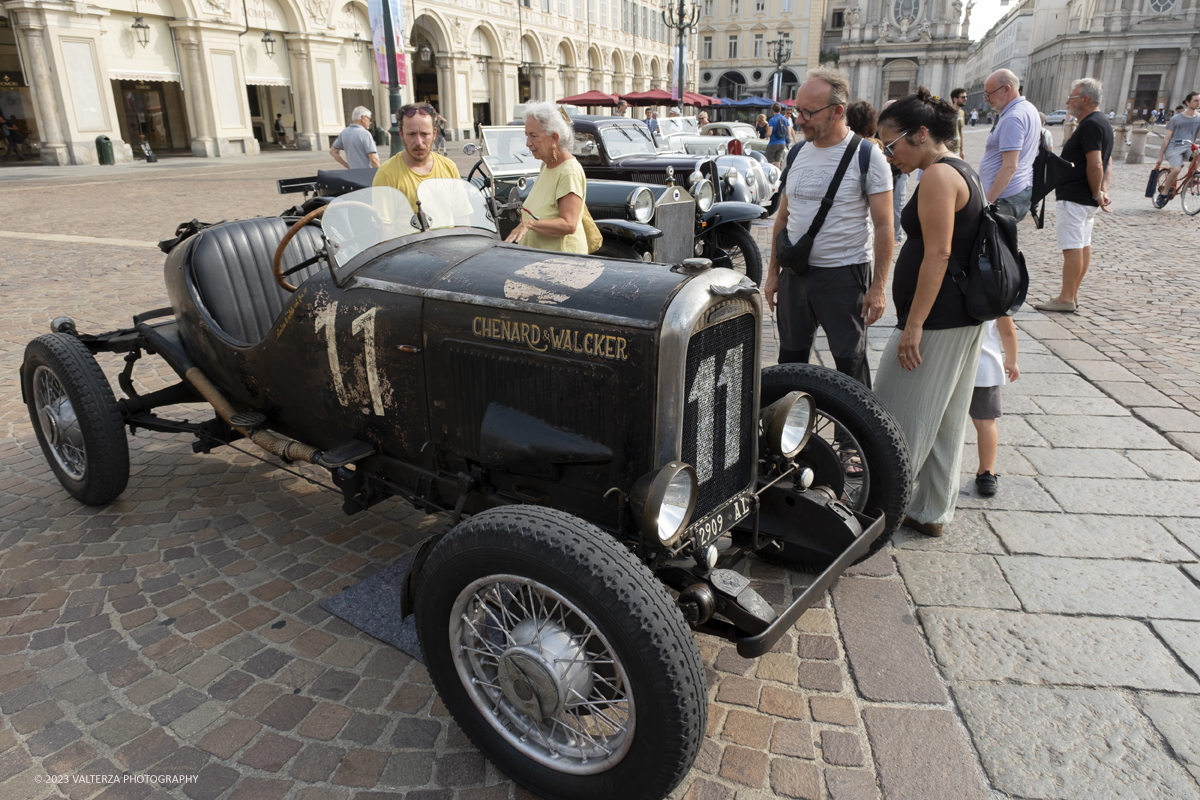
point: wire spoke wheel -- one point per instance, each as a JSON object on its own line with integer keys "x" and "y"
{"x": 731, "y": 247}
{"x": 59, "y": 423}
{"x": 75, "y": 418}
{"x": 854, "y": 477}
{"x": 1190, "y": 197}
{"x": 542, "y": 674}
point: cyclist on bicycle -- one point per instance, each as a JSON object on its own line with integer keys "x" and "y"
{"x": 1177, "y": 146}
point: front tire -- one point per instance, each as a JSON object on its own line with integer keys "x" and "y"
{"x": 75, "y": 418}
{"x": 561, "y": 656}
{"x": 733, "y": 247}
{"x": 853, "y": 433}
{"x": 1190, "y": 197}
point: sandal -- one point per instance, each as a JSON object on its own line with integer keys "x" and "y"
{"x": 854, "y": 468}
{"x": 987, "y": 483}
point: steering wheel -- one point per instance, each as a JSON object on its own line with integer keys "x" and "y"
{"x": 277, "y": 262}
{"x": 475, "y": 169}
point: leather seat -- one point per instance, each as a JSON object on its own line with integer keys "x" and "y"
{"x": 230, "y": 267}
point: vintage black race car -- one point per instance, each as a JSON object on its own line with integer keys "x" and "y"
{"x": 604, "y": 427}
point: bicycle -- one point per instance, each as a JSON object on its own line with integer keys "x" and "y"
{"x": 1187, "y": 185}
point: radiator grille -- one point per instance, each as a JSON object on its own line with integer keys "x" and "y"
{"x": 717, "y": 435}
{"x": 659, "y": 178}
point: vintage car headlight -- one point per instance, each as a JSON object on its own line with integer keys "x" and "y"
{"x": 788, "y": 422}
{"x": 704, "y": 193}
{"x": 663, "y": 502}
{"x": 641, "y": 204}
{"x": 772, "y": 173}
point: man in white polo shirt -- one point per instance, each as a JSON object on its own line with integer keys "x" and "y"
{"x": 1006, "y": 170}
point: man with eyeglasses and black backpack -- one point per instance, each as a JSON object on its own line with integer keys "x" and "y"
{"x": 416, "y": 162}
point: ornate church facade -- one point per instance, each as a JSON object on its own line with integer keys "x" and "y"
{"x": 890, "y": 47}
{"x": 1145, "y": 53}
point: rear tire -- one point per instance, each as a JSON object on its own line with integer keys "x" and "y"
{"x": 75, "y": 418}
{"x": 731, "y": 246}
{"x": 516, "y": 592}
{"x": 844, "y": 402}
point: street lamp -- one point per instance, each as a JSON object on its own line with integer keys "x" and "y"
{"x": 779, "y": 51}
{"x": 682, "y": 19}
{"x": 359, "y": 43}
{"x": 425, "y": 53}
{"x": 141, "y": 30}
{"x": 483, "y": 61}
{"x": 268, "y": 42}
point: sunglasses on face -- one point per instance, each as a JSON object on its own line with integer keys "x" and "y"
{"x": 412, "y": 112}
{"x": 887, "y": 148}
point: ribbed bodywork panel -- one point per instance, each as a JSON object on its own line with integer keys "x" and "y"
{"x": 716, "y": 434}
{"x": 570, "y": 395}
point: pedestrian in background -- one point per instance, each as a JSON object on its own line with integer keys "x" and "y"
{"x": 974, "y": 116}
{"x": 777, "y": 143}
{"x": 761, "y": 127}
{"x": 863, "y": 119}
{"x": 280, "y": 131}
{"x": 1083, "y": 192}
{"x": 622, "y": 108}
{"x": 927, "y": 373}
{"x": 997, "y": 361}
{"x": 958, "y": 98}
{"x": 1007, "y": 166}
{"x": 1047, "y": 137}
{"x": 652, "y": 120}
{"x": 354, "y": 148}
{"x": 834, "y": 290}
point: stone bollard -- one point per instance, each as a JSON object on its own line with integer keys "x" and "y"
{"x": 1137, "y": 143}
{"x": 1118, "y": 142}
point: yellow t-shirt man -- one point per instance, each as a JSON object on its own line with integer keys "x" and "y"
{"x": 552, "y": 185}
{"x": 397, "y": 174}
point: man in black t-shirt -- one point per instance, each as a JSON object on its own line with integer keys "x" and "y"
{"x": 1083, "y": 192}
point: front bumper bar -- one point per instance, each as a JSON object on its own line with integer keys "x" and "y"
{"x": 755, "y": 646}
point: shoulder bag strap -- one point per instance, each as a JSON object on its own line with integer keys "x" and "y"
{"x": 795, "y": 151}
{"x": 864, "y": 164}
{"x": 827, "y": 203}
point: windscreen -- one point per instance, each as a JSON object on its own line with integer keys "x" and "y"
{"x": 454, "y": 203}
{"x": 363, "y": 219}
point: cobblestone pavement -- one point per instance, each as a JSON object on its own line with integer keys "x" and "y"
{"x": 1047, "y": 647}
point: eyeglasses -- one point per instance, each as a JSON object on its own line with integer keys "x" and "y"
{"x": 987, "y": 96}
{"x": 887, "y": 148}
{"x": 808, "y": 115}
{"x": 1074, "y": 96}
{"x": 412, "y": 112}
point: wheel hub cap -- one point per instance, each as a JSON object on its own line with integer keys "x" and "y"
{"x": 543, "y": 672}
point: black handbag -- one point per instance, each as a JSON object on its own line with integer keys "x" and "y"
{"x": 1049, "y": 170}
{"x": 1152, "y": 185}
{"x": 794, "y": 257}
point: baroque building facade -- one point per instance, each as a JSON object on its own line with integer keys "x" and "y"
{"x": 1145, "y": 52}
{"x": 890, "y": 47}
{"x": 206, "y": 80}
{"x": 735, "y": 39}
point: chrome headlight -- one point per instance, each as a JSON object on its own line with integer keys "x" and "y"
{"x": 704, "y": 193}
{"x": 787, "y": 423}
{"x": 663, "y": 502}
{"x": 772, "y": 173}
{"x": 641, "y": 204}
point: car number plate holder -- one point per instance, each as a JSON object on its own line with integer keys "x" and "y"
{"x": 722, "y": 520}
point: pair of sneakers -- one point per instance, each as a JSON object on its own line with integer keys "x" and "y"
{"x": 1163, "y": 199}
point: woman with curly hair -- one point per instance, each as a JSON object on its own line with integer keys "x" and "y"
{"x": 927, "y": 375}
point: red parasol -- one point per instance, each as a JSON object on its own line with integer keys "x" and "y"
{"x": 697, "y": 100}
{"x": 654, "y": 97}
{"x": 592, "y": 98}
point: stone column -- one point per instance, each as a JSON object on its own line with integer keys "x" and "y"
{"x": 302, "y": 94}
{"x": 1180, "y": 73}
{"x": 195, "y": 96}
{"x": 1118, "y": 152}
{"x": 1137, "y": 144}
{"x": 53, "y": 147}
{"x": 1123, "y": 95}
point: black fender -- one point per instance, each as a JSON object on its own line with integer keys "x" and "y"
{"x": 628, "y": 231}
{"x": 729, "y": 211}
{"x": 412, "y": 577}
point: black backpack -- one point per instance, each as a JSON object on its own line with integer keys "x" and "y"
{"x": 996, "y": 280}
